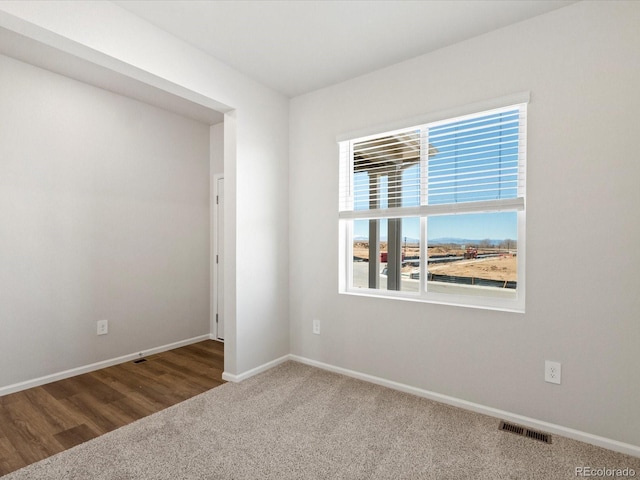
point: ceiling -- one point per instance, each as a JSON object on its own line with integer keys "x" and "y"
{"x": 297, "y": 46}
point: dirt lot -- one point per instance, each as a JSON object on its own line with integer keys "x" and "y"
{"x": 494, "y": 268}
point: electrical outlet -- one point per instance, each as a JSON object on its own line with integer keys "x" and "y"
{"x": 103, "y": 327}
{"x": 316, "y": 327}
{"x": 552, "y": 372}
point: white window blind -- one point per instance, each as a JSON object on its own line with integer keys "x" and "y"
{"x": 477, "y": 158}
{"x": 381, "y": 171}
{"x": 462, "y": 162}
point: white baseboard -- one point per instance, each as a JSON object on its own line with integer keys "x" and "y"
{"x": 254, "y": 371}
{"x": 603, "y": 442}
{"x": 36, "y": 382}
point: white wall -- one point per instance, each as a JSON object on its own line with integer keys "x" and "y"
{"x": 581, "y": 64}
{"x": 104, "y": 214}
{"x": 216, "y": 148}
{"x": 255, "y": 166}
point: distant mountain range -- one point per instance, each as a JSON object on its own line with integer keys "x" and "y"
{"x": 462, "y": 241}
{"x": 438, "y": 241}
{"x": 384, "y": 239}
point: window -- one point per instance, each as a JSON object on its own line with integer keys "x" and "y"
{"x": 436, "y": 212}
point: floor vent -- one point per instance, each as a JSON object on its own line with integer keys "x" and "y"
{"x": 140, "y": 360}
{"x": 510, "y": 427}
{"x": 525, "y": 432}
{"x": 541, "y": 437}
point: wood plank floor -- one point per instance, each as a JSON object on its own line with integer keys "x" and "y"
{"x": 45, "y": 420}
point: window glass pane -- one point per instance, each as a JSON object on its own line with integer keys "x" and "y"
{"x": 373, "y": 261}
{"x": 473, "y": 254}
{"x": 474, "y": 159}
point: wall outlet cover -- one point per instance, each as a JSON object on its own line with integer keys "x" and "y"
{"x": 103, "y": 327}
{"x": 552, "y": 372}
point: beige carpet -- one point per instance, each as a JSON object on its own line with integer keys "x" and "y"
{"x": 299, "y": 422}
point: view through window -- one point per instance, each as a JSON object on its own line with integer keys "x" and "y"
{"x": 436, "y": 212}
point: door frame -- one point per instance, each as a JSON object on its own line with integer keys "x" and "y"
{"x": 215, "y": 251}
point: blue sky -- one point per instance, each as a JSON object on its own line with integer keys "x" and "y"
{"x": 476, "y": 226}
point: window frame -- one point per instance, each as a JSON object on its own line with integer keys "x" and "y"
{"x": 348, "y": 214}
